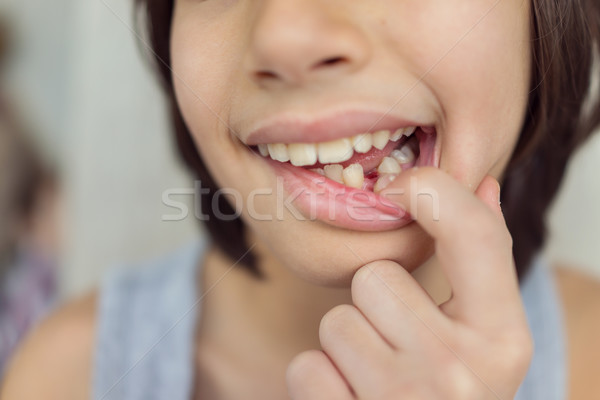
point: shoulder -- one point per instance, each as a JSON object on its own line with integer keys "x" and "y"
{"x": 580, "y": 294}
{"x": 55, "y": 360}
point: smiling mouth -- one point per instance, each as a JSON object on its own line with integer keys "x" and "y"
{"x": 367, "y": 161}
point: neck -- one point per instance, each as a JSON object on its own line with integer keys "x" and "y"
{"x": 278, "y": 316}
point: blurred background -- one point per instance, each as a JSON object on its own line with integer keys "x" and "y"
{"x": 74, "y": 76}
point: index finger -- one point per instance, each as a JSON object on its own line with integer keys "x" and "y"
{"x": 472, "y": 243}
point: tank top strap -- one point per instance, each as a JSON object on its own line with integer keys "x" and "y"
{"x": 547, "y": 375}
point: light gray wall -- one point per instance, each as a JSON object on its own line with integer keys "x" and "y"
{"x": 120, "y": 156}
{"x": 575, "y": 216}
{"x": 80, "y": 78}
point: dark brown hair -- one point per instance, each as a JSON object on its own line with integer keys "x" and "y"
{"x": 561, "y": 114}
{"x": 22, "y": 173}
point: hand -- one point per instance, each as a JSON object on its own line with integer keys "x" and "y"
{"x": 394, "y": 342}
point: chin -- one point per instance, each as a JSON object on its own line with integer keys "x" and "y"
{"x": 329, "y": 256}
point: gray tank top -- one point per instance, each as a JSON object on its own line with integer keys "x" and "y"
{"x": 147, "y": 315}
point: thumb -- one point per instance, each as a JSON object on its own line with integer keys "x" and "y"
{"x": 489, "y": 192}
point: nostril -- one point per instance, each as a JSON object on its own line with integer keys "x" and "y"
{"x": 266, "y": 74}
{"x": 331, "y": 61}
{"x": 271, "y": 75}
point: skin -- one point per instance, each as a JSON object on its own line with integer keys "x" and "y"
{"x": 260, "y": 59}
{"x": 324, "y": 316}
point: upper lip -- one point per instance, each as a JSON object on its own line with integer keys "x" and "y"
{"x": 290, "y": 129}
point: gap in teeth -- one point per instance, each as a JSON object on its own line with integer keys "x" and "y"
{"x": 388, "y": 168}
{"x": 334, "y": 151}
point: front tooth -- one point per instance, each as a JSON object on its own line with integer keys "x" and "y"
{"x": 279, "y": 152}
{"x": 389, "y": 166}
{"x": 383, "y": 182}
{"x": 362, "y": 142}
{"x": 302, "y": 154}
{"x": 397, "y": 135}
{"x": 263, "y": 149}
{"x": 409, "y": 131}
{"x": 404, "y": 155}
{"x": 334, "y": 172}
{"x": 319, "y": 171}
{"x": 354, "y": 176}
{"x": 380, "y": 139}
{"x": 335, "y": 151}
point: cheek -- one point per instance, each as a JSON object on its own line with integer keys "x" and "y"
{"x": 202, "y": 68}
{"x": 478, "y": 66}
{"x": 201, "y": 54}
{"x": 330, "y": 257}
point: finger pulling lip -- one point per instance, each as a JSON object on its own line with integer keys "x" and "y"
{"x": 333, "y": 200}
{"x": 319, "y": 198}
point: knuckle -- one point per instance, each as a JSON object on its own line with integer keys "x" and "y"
{"x": 371, "y": 279}
{"x": 302, "y": 366}
{"x": 336, "y": 321}
{"x": 512, "y": 354}
{"x": 459, "y": 381}
{"x": 363, "y": 278}
{"x": 461, "y": 384}
{"x": 517, "y": 352}
{"x": 384, "y": 267}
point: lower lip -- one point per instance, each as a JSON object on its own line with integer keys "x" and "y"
{"x": 318, "y": 198}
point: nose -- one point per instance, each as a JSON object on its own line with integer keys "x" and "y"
{"x": 294, "y": 42}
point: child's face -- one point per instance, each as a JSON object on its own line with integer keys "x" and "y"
{"x": 459, "y": 68}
